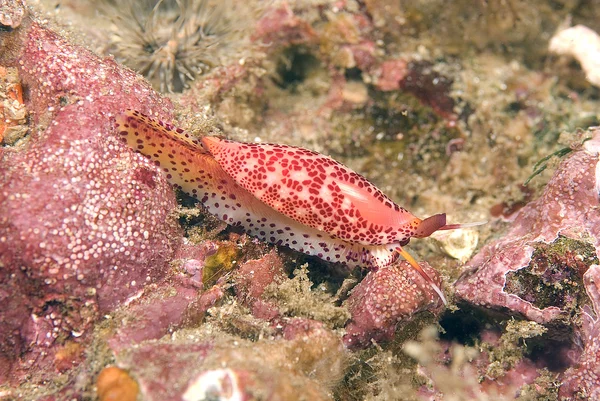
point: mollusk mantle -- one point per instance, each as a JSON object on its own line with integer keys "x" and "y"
{"x": 283, "y": 194}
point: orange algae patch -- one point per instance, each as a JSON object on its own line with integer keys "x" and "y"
{"x": 115, "y": 384}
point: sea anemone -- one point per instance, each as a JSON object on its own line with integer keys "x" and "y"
{"x": 171, "y": 42}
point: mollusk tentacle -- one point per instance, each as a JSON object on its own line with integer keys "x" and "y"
{"x": 428, "y": 226}
{"x": 422, "y": 272}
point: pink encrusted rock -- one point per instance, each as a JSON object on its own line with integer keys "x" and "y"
{"x": 386, "y": 298}
{"x": 11, "y": 12}
{"x": 303, "y": 367}
{"x": 57, "y": 73}
{"x": 193, "y": 257}
{"x": 210, "y": 370}
{"x": 280, "y": 25}
{"x": 254, "y": 276}
{"x": 196, "y": 310}
{"x": 390, "y": 75}
{"x": 163, "y": 370}
{"x": 363, "y": 54}
{"x": 85, "y": 223}
{"x": 159, "y": 311}
{"x": 582, "y": 382}
{"x": 317, "y": 351}
{"x": 299, "y": 328}
{"x": 568, "y": 207}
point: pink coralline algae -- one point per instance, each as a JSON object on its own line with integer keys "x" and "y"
{"x": 281, "y": 25}
{"x": 386, "y": 298}
{"x": 567, "y": 208}
{"x": 189, "y": 369}
{"x": 419, "y": 79}
{"x": 85, "y": 223}
{"x": 391, "y": 73}
{"x": 582, "y": 382}
{"x": 253, "y": 277}
{"x": 160, "y": 310}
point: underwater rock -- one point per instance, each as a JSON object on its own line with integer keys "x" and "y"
{"x": 495, "y": 369}
{"x": 251, "y": 280}
{"x": 159, "y": 311}
{"x": 499, "y": 276}
{"x": 13, "y": 113}
{"x": 386, "y": 298}
{"x": 430, "y": 87}
{"x": 304, "y": 366}
{"x": 193, "y": 257}
{"x": 317, "y": 351}
{"x": 280, "y": 25}
{"x": 163, "y": 370}
{"x": 471, "y": 381}
{"x": 582, "y": 381}
{"x": 85, "y": 223}
{"x": 419, "y": 79}
{"x": 391, "y": 74}
{"x": 459, "y": 244}
{"x": 58, "y": 74}
{"x": 364, "y": 54}
{"x": 219, "y": 384}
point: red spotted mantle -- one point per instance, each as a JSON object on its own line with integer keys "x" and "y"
{"x": 315, "y": 190}
{"x": 284, "y": 195}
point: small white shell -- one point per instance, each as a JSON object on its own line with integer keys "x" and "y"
{"x": 218, "y": 384}
{"x": 459, "y": 244}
